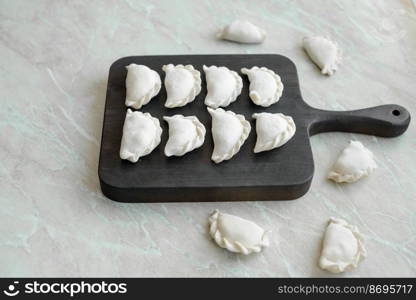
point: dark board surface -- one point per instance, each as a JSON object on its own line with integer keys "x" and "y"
{"x": 281, "y": 174}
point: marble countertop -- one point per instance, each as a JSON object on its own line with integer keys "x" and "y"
{"x": 54, "y": 61}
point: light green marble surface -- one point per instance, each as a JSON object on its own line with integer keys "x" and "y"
{"x": 54, "y": 60}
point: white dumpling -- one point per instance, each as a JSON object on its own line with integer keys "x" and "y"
{"x": 237, "y": 234}
{"x": 141, "y": 135}
{"x": 142, "y": 84}
{"x": 273, "y": 130}
{"x": 185, "y": 134}
{"x": 355, "y": 162}
{"x": 183, "y": 84}
{"x": 223, "y": 86}
{"x": 266, "y": 86}
{"x": 323, "y": 52}
{"x": 229, "y": 132}
{"x": 343, "y": 247}
{"x": 242, "y": 32}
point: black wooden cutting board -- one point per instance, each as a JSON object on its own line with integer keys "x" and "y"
{"x": 281, "y": 174}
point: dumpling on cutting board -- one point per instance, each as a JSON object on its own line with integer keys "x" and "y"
{"x": 266, "y": 87}
{"x": 237, "y": 234}
{"x": 354, "y": 162}
{"x": 343, "y": 247}
{"x": 323, "y": 52}
{"x": 273, "y": 130}
{"x": 183, "y": 84}
{"x": 141, "y": 135}
{"x": 142, "y": 84}
{"x": 229, "y": 132}
{"x": 185, "y": 134}
{"x": 223, "y": 85}
{"x": 242, "y": 32}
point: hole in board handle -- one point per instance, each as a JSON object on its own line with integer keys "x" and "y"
{"x": 396, "y": 112}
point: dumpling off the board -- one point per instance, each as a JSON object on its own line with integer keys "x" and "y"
{"x": 323, "y": 52}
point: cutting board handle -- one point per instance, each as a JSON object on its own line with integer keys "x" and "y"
{"x": 385, "y": 120}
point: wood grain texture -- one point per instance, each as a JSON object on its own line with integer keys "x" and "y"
{"x": 281, "y": 174}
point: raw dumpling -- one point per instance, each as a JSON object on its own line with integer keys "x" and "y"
{"x": 185, "y": 134}
{"x": 242, "y": 32}
{"x": 343, "y": 247}
{"x": 273, "y": 130}
{"x": 141, "y": 134}
{"x": 142, "y": 84}
{"x": 183, "y": 84}
{"x": 236, "y": 234}
{"x": 355, "y": 161}
{"x": 229, "y": 132}
{"x": 323, "y": 52}
{"x": 223, "y": 86}
{"x": 265, "y": 85}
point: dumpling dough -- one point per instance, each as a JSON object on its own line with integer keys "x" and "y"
{"x": 273, "y": 130}
{"x": 185, "y": 134}
{"x": 236, "y": 234}
{"x": 223, "y": 86}
{"x": 323, "y": 52}
{"x": 242, "y": 32}
{"x": 142, "y": 84}
{"x": 183, "y": 84}
{"x": 141, "y": 134}
{"x": 354, "y": 162}
{"x": 266, "y": 86}
{"x": 229, "y": 132}
{"x": 343, "y": 247}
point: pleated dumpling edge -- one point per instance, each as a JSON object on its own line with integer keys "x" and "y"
{"x": 324, "y": 52}
{"x": 342, "y": 247}
{"x": 266, "y": 86}
{"x": 185, "y": 135}
{"x": 223, "y": 86}
{"x": 182, "y": 83}
{"x": 354, "y": 163}
{"x": 241, "y": 31}
{"x": 229, "y": 132}
{"x": 273, "y": 130}
{"x": 237, "y": 234}
{"x": 142, "y": 84}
